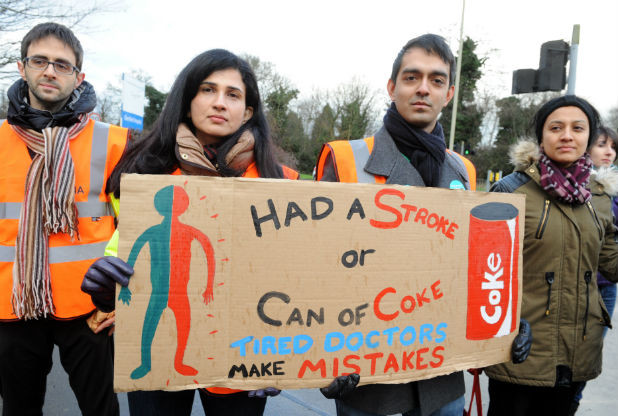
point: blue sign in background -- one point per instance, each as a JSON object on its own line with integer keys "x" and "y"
{"x": 132, "y": 121}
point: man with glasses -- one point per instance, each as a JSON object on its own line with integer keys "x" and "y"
{"x": 55, "y": 220}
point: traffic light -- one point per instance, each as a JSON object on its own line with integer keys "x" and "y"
{"x": 524, "y": 80}
{"x": 551, "y": 75}
{"x": 468, "y": 150}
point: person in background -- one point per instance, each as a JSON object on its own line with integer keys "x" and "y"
{"x": 603, "y": 154}
{"x": 213, "y": 124}
{"x": 409, "y": 149}
{"x": 54, "y": 222}
{"x": 569, "y": 235}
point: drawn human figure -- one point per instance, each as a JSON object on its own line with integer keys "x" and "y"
{"x": 170, "y": 254}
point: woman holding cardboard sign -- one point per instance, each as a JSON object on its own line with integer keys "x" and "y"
{"x": 212, "y": 124}
{"x": 569, "y": 235}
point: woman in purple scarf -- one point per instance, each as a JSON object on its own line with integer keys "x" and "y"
{"x": 569, "y": 236}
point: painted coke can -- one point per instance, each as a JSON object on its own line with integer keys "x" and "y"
{"x": 493, "y": 252}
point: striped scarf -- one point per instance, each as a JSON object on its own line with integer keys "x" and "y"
{"x": 48, "y": 208}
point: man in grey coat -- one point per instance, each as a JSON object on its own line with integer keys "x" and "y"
{"x": 409, "y": 149}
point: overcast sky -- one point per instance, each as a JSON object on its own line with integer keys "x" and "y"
{"x": 324, "y": 43}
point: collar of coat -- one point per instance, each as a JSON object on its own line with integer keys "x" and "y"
{"x": 190, "y": 153}
{"x": 526, "y": 153}
{"x": 386, "y": 160}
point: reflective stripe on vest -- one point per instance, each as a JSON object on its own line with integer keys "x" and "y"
{"x": 11, "y": 210}
{"x": 93, "y": 207}
{"x": 361, "y": 151}
{"x": 62, "y": 254}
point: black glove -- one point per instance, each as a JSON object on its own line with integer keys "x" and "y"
{"x": 101, "y": 278}
{"x": 261, "y": 393}
{"x": 340, "y": 386}
{"x": 522, "y": 342}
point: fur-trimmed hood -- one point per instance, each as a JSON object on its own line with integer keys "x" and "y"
{"x": 607, "y": 178}
{"x": 527, "y": 152}
{"x": 524, "y": 153}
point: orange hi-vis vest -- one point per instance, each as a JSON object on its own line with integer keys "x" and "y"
{"x": 350, "y": 162}
{"x": 95, "y": 152}
{"x": 469, "y": 168}
{"x": 353, "y": 155}
{"x": 252, "y": 172}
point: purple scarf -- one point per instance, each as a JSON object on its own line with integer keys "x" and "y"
{"x": 568, "y": 185}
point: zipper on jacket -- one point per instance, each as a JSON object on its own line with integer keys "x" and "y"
{"x": 549, "y": 278}
{"x": 596, "y": 219}
{"x": 588, "y": 279}
{"x": 544, "y": 216}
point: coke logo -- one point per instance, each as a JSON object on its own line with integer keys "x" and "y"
{"x": 495, "y": 287}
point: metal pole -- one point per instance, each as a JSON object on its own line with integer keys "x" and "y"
{"x": 573, "y": 61}
{"x": 121, "y": 100}
{"x": 459, "y": 59}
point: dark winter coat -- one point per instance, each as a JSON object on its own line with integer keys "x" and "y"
{"x": 564, "y": 246}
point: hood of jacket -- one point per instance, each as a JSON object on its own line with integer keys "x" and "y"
{"x": 527, "y": 152}
{"x": 82, "y": 100}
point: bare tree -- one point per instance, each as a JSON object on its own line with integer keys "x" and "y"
{"x": 354, "y": 109}
{"x": 347, "y": 112}
{"x": 109, "y": 100}
{"x": 4, "y": 104}
{"x": 269, "y": 80}
{"x": 108, "y": 103}
{"x": 309, "y": 108}
{"x": 19, "y": 15}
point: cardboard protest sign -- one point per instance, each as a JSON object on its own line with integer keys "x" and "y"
{"x": 248, "y": 283}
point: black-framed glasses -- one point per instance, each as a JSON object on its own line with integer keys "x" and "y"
{"x": 40, "y": 64}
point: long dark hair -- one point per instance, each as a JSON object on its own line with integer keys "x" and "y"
{"x": 155, "y": 153}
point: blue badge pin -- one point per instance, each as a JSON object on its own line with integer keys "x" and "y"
{"x": 455, "y": 184}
